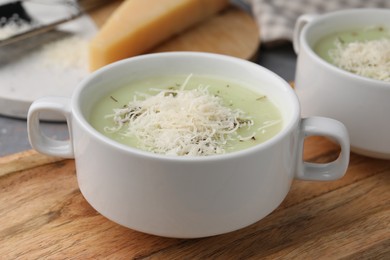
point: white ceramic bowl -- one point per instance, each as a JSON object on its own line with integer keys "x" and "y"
{"x": 186, "y": 196}
{"x": 361, "y": 103}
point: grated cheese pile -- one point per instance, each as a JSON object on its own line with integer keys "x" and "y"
{"x": 70, "y": 52}
{"x": 64, "y": 53}
{"x": 370, "y": 58}
{"x": 181, "y": 122}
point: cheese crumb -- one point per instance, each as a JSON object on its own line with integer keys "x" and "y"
{"x": 181, "y": 122}
{"x": 370, "y": 58}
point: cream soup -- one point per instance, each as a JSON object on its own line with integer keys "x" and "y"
{"x": 187, "y": 115}
{"x": 363, "y": 51}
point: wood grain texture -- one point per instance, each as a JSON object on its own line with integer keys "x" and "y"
{"x": 23, "y": 161}
{"x": 231, "y": 32}
{"x": 44, "y": 215}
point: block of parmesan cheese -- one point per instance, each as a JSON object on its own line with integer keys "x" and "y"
{"x": 138, "y": 25}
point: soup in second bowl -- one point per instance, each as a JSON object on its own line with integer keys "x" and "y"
{"x": 363, "y": 51}
{"x": 187, "y": 115}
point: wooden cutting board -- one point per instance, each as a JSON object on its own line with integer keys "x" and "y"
{"x": 44, "y": 216}
{"x": 232, "y": 32}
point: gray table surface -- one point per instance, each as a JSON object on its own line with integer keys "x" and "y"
{"x": 13, "y": 132}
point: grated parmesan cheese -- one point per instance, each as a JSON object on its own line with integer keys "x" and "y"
{"x": 62, "y": 53}
{"x": 370, "y": 58}
{"x": 180, "y": 122}
{"x": 70, "y": 52}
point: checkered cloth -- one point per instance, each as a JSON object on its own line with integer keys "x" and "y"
{"x": 276, "y": 18}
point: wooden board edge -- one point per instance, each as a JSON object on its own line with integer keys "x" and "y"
{"x": 23, "y": 161}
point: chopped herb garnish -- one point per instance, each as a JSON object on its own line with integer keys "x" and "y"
{"x": 243, "y": 122}
{"x": 114, "y": 99}
{"x": 261, "y": 98}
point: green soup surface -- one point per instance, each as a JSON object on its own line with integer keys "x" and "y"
{"x": 256, "y": 115}
{"x": 362, "y": 51}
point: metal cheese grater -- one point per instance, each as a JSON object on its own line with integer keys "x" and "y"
{"x": 15, "y": 12}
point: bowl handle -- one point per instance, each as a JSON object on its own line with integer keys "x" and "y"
{"x": 333, "y": 129}
{"x": 40, "y": 141}
{"x": 299, "y": 24}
